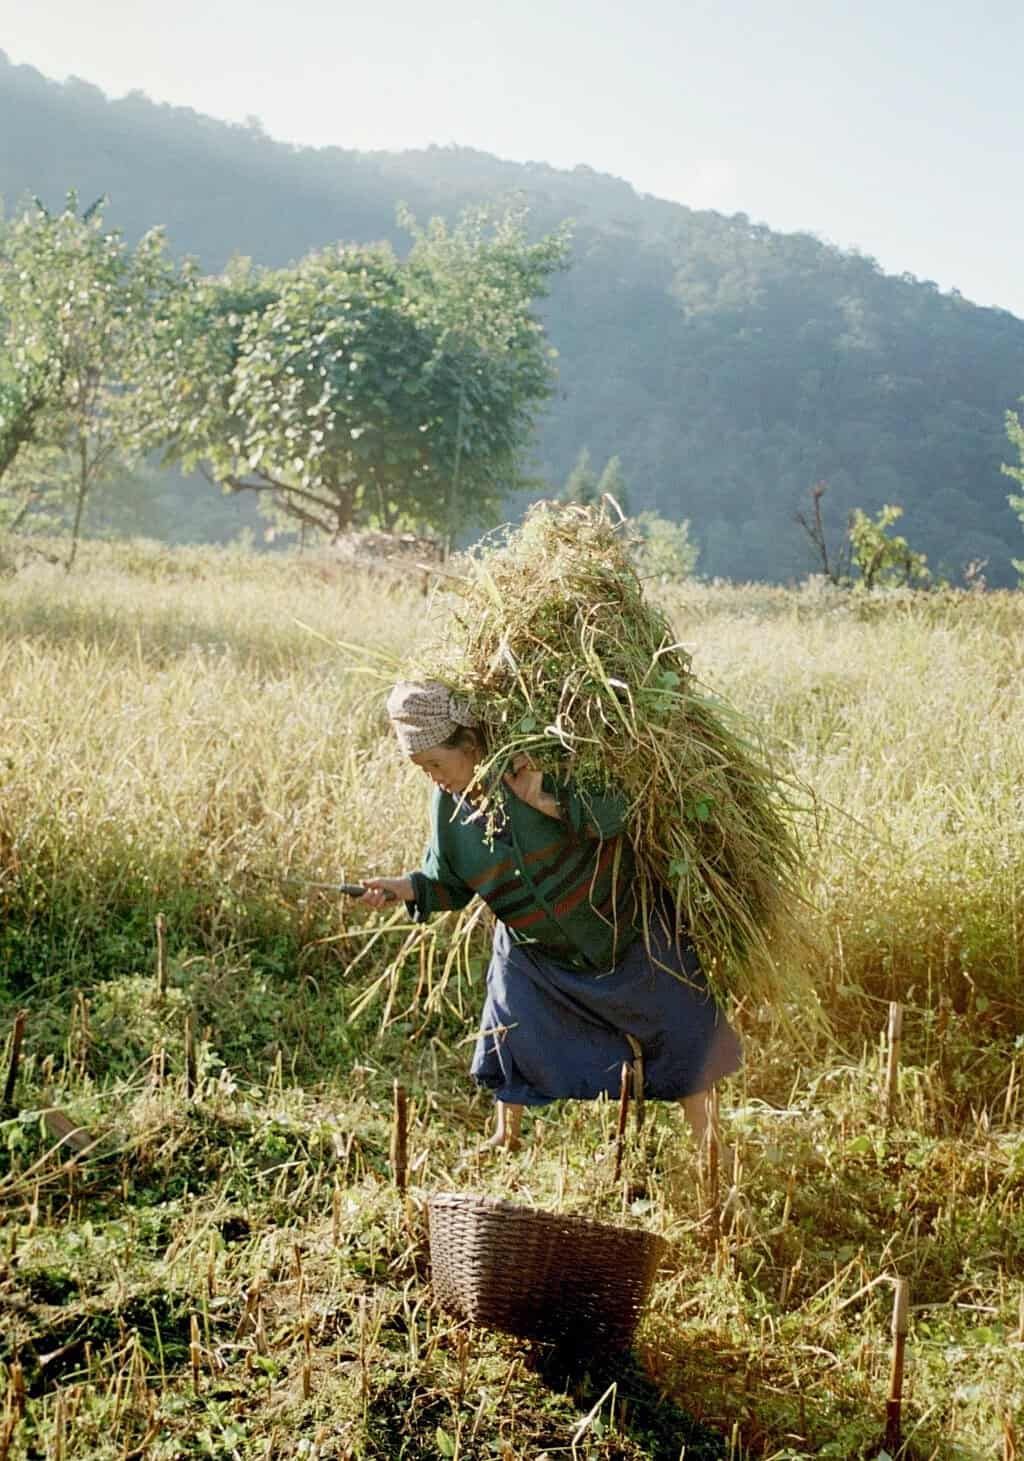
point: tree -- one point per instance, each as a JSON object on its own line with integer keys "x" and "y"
{"x": 32, "y": 491}
{"x": 1015, "y": 431}
{"x": 585, "y": 487}
{"x": 612, "y": 483}
{"x": 665, "y": 550}
{"x": 581, "y": 483}
{"x": 881, "y": 560}
{"x": 32, "y": 293}
{"x": 77, "y": 305}
{"x": 835, "y": 565}
{"x": 353, "y": 388}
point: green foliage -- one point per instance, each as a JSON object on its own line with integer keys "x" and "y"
{"x": 353, "y": 388}
{"x": 31, "y": 490}
{"x": 586, "y": 489}
{"x": 726, "y": 364}
{"x": 76, "y": 306}
{"x": 1015, "y": 431}
{"x": 665, "y": 551}
{"x": 581, "y": 483}
{"x": 612, "y": 483}
{"x": 881, "y": 559}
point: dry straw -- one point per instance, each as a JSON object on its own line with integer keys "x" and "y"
{"x": 549, "y": 636}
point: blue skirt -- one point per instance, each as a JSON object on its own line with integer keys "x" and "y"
{"x": 549, "y": 1033}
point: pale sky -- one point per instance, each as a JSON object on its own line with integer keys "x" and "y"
{"x": 893, "y": 126}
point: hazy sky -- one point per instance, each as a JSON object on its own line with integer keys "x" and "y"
{"x": 896, "y": 126}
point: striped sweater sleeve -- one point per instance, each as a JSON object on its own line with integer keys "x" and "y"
{"x": 436, "y": 887}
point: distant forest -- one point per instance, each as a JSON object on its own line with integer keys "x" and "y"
{"x": 730, "y": 368}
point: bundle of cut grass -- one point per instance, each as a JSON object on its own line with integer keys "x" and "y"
{"x": 551, "y": 641}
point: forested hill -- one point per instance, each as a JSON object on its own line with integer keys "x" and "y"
{"x": 728, "y": 366}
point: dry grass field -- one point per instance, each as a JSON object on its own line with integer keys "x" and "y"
{"x": 216, "y": 1263}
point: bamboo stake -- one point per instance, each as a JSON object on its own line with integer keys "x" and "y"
{"x": 400, "y": 1138}
{"x": 307, "y": 1360}
{"x": 84, "y": 1034}
{"x": 787, "y": 1206}
{"x": 190, "y": 1056}
{"x": 893, "y": 1067}
{"x": 336, "y": 1216}
{"x": 16, "y": 1380}
{"x": 260, "y": 1331}
{"x": 900, "y": 1325}
{"x": 194, "y": 1351}
{"x": 12, "y": 1069}
{"x": 10, "y": 1420}
{"x": 364, "y": 1373}
{"x": 1010, "y": 1103}
{"x": 161, "y": 955}
{"x": 624, "y": 1083}
{"x": 60, "y": 1427}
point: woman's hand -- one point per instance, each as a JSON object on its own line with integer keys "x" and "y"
{"x": 525, "y": 782}
{"x": 380, "y": 891}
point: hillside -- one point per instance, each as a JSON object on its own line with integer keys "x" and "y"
{"x": 729, "y": 367}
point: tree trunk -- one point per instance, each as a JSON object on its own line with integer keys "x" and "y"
{"x": 20, "y": 436}
{"x": 23, "y": 512}
{"x": 82, "y": 491}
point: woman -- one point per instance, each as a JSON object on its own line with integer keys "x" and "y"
{"x": 572, "y": 990}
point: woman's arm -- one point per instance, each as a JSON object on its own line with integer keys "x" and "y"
{"x": 599, "y": 815}
{"x": 435, "y": 887}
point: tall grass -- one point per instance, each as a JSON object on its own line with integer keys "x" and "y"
{"x": 907, "y": 729}
{"x": 180, "y": 733}
{"x": 189, "y": 739}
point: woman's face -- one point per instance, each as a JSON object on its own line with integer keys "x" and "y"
{"x": 450, "y": 767}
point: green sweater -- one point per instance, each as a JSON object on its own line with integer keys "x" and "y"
{"x": 565, "y": 885}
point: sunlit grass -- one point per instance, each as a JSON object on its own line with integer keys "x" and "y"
{"x": 180, "y": 734}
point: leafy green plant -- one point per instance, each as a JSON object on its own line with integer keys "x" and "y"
{"x": 77, "y": 306}
{"x": 1015, "y": 431}
{"x": 665, "y": 552}
{"x": 355, "y": 388}
{"x": 882, "y": 559}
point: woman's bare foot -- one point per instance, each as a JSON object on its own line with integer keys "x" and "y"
{"x": 695, "y": 1109}
{"x": 506, "y": 1132}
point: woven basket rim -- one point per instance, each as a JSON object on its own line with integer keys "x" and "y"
{"x": 501, "y": 1205}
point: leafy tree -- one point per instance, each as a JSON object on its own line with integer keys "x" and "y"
{"x": 581, "y": 483}
{"x": 612, "y": 483}
{"x": 584, "y": 486}
{"x": 77, "y": 305}
{"x": 353, "y": 388}
{"x": 1015, "y": 431}
{"x": 884, "y": 561}
{"x": 665, "y": 550}
{"x": 32, "y": 296}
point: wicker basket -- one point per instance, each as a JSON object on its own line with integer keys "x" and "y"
{"x": 540, "y": 1274}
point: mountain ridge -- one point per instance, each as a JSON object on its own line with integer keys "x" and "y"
{"x": 729, "y": 366}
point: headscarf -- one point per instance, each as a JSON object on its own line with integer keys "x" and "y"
{"x": 424, "y": 715}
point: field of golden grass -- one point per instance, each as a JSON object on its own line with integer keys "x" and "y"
{"x": 182, "y": 734}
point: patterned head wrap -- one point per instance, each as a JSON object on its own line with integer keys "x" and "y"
{"x": 424, "y": 715}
